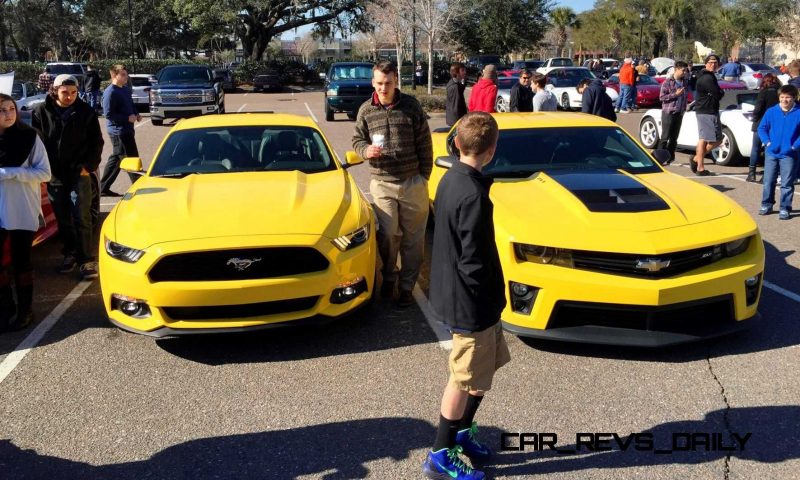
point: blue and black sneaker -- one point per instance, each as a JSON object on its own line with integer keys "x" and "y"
{"x": 447, "y": 465}
{"x": 468, "y": 441}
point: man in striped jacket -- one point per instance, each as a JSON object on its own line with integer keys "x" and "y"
{"x": 673, "y": 96}
{"x": 392, "y": 134}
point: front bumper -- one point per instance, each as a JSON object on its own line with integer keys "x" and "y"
{"x": 160, "y": 111}
{"x": 594, "y": 307}
{"x": 235, "y": 305}
{"x": 345, "y": 103}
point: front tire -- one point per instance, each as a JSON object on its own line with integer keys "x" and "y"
{"x": 727, "y": 153}
{"x": 157, "y": 121}
{"x": 565, "y": 102}
{"x": 648, "y": 133}
{"x": 328, "y": 113}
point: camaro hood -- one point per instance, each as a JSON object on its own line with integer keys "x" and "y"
{"x": 158, "y": 210}
{"x": 601, "y": 206}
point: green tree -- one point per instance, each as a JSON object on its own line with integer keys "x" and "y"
{"x": 727, "y": 27}
{"x": 563, "y": 18}
{"x": 673, "y": 12}
{"x": 762, "y": 20}
{"x": 500, "y": 26}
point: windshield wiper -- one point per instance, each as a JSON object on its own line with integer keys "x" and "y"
{"x": 176, "y": 175}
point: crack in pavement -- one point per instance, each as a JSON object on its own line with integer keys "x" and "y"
{"x": 727, "y": 470}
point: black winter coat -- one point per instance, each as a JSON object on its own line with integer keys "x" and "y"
{"x": 71, "y": 144}
{"x": 466, "y": 288}
{"x": 767, "y": 97}
{"x": 456, "y": 106}
{"x": 596, "y": 101}
{"x": 707, "y": 93}
{"x": 92, "y": 81}
{"x": 521, "y": 98}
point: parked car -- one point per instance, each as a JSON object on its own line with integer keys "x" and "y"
{"x": 242, "y": 222}
{"x": 599, "y": 244}
{"x": 184, "y": 91}
{"x": 754, "y": 72}
{"x": 531, "y": 65}
{"x": 608, "y": 63}
{"x": 77, "y": 70}
{"x": 736, "y": 118}
{"x": 503, "y": 101}
{"x": 347, "y": 86}
{"x": 555, "y": 62}
{"x": 564, "y": 81}
{"x": 140, "y": 90}
{"x": 27, "y": 95}
{"x": 267, "y": 80}
{"x": 647, "y": 90}
{"x": 475, "y": 64}
{"x": 227, "y": 78}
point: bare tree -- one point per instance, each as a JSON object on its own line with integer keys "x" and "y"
{"x": 434, "y": 20}
{"x": 391, "y": 19}
{"x": 791, "y": 29}
{"x": 306, "y": 46}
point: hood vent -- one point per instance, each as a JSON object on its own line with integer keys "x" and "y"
{"x": 610, "y": 191}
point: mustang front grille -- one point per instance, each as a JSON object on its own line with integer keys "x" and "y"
{"x": 241, "y": 311}
{"x": 238, "y": 264}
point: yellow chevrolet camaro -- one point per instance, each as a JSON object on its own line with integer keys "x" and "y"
{"x": 242, "y": 221}
{"x": 600, "y": 244}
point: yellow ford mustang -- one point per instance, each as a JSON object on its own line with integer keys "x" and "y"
{"x": 599, "y": 244}
{"x": 241, "y": 222}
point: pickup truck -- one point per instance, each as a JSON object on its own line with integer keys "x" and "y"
{"x": 347, "y": 86}
{"x": 183, "y": 91}
{"x": 554, "y": 62}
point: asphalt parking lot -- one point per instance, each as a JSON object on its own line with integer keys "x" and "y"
{"x": 359, "y": 398}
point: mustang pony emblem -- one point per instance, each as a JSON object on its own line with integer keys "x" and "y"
{"x": 652, "y": 264}
{"x": 242, "y": 264}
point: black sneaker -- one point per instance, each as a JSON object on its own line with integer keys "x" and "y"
{"x": 703, "y": 173}
{"x": 693, "y": 165}
{"x": 68, "y": 264}
{"x": 89, "y": 270}
{"x": 387, "y": 289}
{"x": 406, "y": 299}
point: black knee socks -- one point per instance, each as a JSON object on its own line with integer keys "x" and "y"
{"x": 446, "y": 434}
{"x": 473, "y": 402}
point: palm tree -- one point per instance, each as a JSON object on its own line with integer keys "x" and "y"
{"x": 728, "y": 25}
{"x": 672, "y": 12}
{"x": 616, "y": 21}
{"x": 563, "y": 18}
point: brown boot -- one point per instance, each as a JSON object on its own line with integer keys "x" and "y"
{"x": 751, "y": 175}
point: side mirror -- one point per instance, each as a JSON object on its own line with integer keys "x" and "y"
{"x": 352, "y": 159}
{"x": 323, "y": 76}
{"x": 132, "y": 165}
{"x": 661, "y": 155}
{"x": 445, "y": 162}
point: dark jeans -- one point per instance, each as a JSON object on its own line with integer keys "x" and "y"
{"x": 786, "y": 167}
{"x": 21, "y": 243}
{"x": 755, "y": 150}
{"x": 72, "y": 206}
{"x": 122, "y": 145}
{"x": 670, "y": 128}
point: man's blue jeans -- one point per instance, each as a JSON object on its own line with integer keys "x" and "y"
{"x": 773, "y": 165}
{"x": 624, "y": 97}
{"x": 755, "y": 150}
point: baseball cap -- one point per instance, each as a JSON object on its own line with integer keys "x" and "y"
{"x": 65, "y": 79}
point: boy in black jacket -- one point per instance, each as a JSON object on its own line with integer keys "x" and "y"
{"x": 467, "y": 293}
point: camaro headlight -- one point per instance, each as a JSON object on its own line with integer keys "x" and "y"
{"x": 155, "y": 96}
{"x": 332, "y": 92}
{"x": 352, "y": 239}
{"x": 545, "y": 255}
{"x": 121, "y": 252}
{"x": 209, "y": 95}
{"x": 736, "y": 247}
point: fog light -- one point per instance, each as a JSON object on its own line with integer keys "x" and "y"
{"x": 751, "y": 288}
{"x": 522, "y": 297}
{"x": 130, "y": 306}
{"x": 346, "y": 291}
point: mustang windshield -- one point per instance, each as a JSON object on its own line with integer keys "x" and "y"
{"x": 242, "y": 149}
{"x": 522, "y": 152}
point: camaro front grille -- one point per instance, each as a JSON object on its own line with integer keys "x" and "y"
{"x": 637, "y": 264}
{"x": 182, "y": 97}
{"x": 241, "y": 311}
{"x": 238, "y": 264}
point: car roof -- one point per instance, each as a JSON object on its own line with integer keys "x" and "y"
{"x": 140, "y": 75}
{"x": 246, "y": 120}
{"x": 353, "y": 63}
{"x": 517, "y": 120}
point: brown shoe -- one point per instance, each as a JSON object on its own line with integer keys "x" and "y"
{"x": 387, "y": 289}
{"x": 406, "y": 299}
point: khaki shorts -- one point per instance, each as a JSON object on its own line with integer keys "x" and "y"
{"x": 475, "y": 358}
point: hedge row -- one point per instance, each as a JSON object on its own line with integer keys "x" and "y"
{"x": 430, "y": 103}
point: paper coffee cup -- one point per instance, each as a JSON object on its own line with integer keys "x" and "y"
{"x": 377, "y": 140}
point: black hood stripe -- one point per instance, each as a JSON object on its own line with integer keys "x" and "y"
{"x": 609, "y": 191}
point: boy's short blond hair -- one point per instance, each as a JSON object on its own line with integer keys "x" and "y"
{"x": 477, "y": 133}
{"x": 794, "y": 68}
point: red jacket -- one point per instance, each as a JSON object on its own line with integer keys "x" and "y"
{"x": 483, "y": 96}
{"x": 626, "y": 74}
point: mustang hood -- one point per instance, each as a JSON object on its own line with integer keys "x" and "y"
{"x": 160, "y": 210}
{"x": 576, "y": 208}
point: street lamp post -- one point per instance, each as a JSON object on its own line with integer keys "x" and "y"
{"x": 641, "y": 30}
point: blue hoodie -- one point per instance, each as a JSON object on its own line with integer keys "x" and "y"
{"x": 781, "y": 130}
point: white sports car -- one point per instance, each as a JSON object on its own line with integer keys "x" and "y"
{"x": 737, "y": 134}
{"x": 564, "y": 81}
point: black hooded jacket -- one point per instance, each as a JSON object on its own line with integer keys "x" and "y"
{"x": 72, "y": 140}
{"x": 709, "y": 93}
{"x": 596, "y": 101}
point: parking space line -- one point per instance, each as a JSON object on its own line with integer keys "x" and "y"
{"x": 241, "y": 108}
{"x": 12, "y": 360}
{"x": 311, "y": 113}
{"x": 735, "y": 176}
{"x": 445, "y": 339}
{"x": 782, "y": 291}
{"x": 141, "y": 123}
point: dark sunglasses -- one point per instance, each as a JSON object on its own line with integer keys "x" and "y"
{"x": 525, "y": 78}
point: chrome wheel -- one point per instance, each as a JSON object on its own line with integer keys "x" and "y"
{"x": 648, "y": 133}
{"x": 565, "y": 102}
{"x": 727, "y": 151}
{"x": 500, "y": 105}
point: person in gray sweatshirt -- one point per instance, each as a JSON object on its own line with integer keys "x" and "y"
{"x": 543, "y": 99}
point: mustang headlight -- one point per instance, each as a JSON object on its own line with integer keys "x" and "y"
{"x": 736, "y": 247}
{"x": 121, "y": 252}
{"x": 332, "y": 92}
{"x": 155, "y": 96}
{"x": 545, "y": 255}
{"x": 352, "y": 239}
{"x": 209, "y": 95}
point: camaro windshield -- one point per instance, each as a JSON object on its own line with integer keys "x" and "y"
{"x": 242, "y": 149}
{"x": 522, "y": 152}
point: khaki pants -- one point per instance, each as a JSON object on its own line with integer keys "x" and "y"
{"x": 402, "y": 211}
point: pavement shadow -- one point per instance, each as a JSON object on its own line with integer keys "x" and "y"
{"x": 330, "y": 451}
{"x": 773, "y": 436}
{"x": 380, "y": 327}
{"x": 776, "y": 329}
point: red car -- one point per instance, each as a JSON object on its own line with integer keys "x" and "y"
{"x": 723, "y": 84}
{"x": 647, "y": 90}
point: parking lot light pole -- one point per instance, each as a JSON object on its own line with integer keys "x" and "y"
{"x": 641, "y": 30}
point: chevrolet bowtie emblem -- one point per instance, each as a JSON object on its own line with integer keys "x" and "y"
{"x": 242, "y": 264}
{"x": 652, "y": 264}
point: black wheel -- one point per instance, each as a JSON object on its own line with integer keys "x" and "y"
{"x": 351, "y": 115}
{"x": 157, "y": 121}
{"x": 328, "y": 113}
{"x": 565, "y": 102}
{"x": 727, "y": 153}
{"x": 648, "y": 133}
